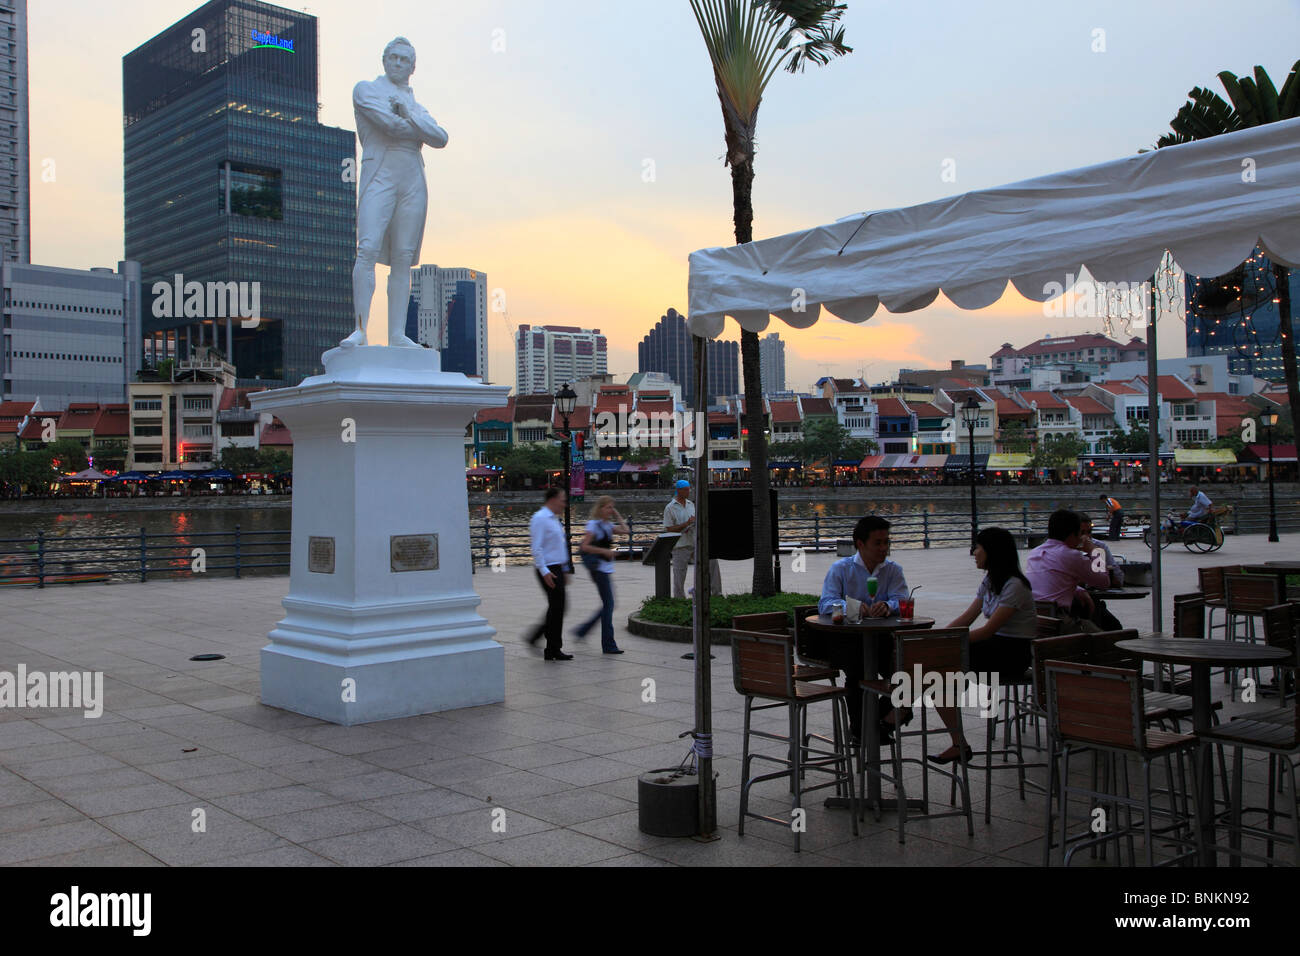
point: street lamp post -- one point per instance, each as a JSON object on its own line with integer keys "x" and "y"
{"x": 970, "y": 413}
{"x": 566, "y": 399}
{"x": 1270, "y": 419}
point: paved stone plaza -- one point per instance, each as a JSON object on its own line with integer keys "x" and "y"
{"x": 561, "y": 756}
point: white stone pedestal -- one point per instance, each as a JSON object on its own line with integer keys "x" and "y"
{"x": 381, "y": 617}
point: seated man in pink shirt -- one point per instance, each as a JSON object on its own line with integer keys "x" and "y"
{"x": 1058, "y": 571}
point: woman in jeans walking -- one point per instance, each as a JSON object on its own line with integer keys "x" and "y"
{"x": 597, "y": 549}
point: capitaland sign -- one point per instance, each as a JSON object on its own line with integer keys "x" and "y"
{"x": 271, "y": 40}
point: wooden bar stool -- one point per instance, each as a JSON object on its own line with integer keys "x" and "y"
{"x": 1246, "y": 596}
{"x": 1101, "y": 709}
{"x": 944, "y": 652}
{"x": 763, "y": 669}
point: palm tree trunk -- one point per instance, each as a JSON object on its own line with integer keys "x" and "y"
{"x": 742, "y": 188}
{"x": 1282, "y": 281}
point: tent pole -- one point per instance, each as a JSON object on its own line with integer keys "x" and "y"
{"x": 1153, "y": 455}
{"x": 708, "y": 801}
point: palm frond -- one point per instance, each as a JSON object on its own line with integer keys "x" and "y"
{"x": 1288, "y": 101}
{"x": 811, "y": 31}
{"x": 743, "y": 48}
{"x": 1205, "y": 114}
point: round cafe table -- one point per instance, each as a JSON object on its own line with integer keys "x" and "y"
{"x": 1119, "y": 594}
{"x": 1200, "y": 656}
{"x": 864, "y": 631}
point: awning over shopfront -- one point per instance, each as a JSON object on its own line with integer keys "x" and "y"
{"x": 640, "y": 468}
{"x": 962, "y": 463}
{"x": 738, "y": 465}
{"x": 1008, "y": 463}
{"x": 1258, "y": 454}
{"x": 916, "y": 460}
{"x": 871, "y": 462}
{"x": 601, "y": 466}
{"x": 482, "y": 472}
{"x": 1204, "y": 456}
{"x": 785, "y": 463}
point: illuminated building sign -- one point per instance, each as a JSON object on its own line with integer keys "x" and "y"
{"x": 271, "y": 41}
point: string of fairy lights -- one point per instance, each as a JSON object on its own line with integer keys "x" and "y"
{"x": 1228, "y": 326}
{"x": 1222, "y": 309}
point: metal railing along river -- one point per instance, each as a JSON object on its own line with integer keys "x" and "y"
{"x": 40, "y": 559}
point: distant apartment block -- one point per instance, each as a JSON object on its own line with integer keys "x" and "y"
{"x": 1077, "y": 358}
{"x": 547, "y": 356}
{"x": 771, "y": 357}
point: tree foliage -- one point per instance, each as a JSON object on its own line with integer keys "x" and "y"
{"x": 69, "y": 454}
{"x": 825, "y": 440}
{"x": 1058, "y": 451}
{"x": 1015, "y": 438}
{"x": 1135, "y": 441}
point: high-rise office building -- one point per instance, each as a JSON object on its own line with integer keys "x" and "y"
{"x": 724, "y": 369}
{"x": 547, "y": 356}
{"x": 435, "y": 292}
{"x": 70, "y": 335}
{"x": 1237, "y": 316}
{"x": 15, "y": 161}
{"x": 668, "y": 348}
{"x": 231, "y": 182}
{"x": 771, "y": 357}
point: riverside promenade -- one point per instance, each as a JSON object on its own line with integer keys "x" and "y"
{"x": 549, "y": 777}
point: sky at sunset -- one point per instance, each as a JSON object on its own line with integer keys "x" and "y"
{"x": 585, "y": 155}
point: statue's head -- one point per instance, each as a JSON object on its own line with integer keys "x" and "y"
{"x": 399, "y": 60}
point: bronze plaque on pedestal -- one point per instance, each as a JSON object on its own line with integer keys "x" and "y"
{"x": 413, "y": 552}
{"x": 320, "y": 555}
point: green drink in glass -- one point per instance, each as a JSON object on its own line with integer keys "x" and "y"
{"x": 872, "y": 586}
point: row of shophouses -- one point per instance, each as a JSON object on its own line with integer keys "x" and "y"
{"x": 922, "y": 423}
{"x": 181, "y": 423}
{"x": 184, "y": 422}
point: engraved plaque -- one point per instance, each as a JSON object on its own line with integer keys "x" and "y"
{"x": 320, "y": 555}
{"x": 413, "y": 552}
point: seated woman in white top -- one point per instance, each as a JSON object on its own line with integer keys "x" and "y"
{"x": 1001, "y": 644}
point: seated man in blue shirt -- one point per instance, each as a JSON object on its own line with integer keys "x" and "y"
{"x": 847, "y": 578}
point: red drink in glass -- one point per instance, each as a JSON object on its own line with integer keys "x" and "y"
{"x": 906, "y": 606}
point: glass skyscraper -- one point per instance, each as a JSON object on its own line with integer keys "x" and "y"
{"x": 230, "y": 178}
{"x": 460, "y": 354}
{"x": 15, "y": 161}
{"x": 1237, "y": 315}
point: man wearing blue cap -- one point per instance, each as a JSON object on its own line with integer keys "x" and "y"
{"x": 679, "y": 517}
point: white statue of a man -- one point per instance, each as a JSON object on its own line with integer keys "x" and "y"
{"x": 392, "y": 199}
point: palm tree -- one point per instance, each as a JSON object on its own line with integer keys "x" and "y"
{"x": 1253, "y": 103}
{"x": 748, "y": 41}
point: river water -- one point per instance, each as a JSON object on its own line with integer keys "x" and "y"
{"x": 76, "y": 522}
{"x": 80, "y": 540}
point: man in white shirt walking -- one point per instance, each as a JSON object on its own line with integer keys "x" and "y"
{"x": 550, "y": 559}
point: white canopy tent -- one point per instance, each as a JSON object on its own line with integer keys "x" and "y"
{"x": 1208, "y": 203}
